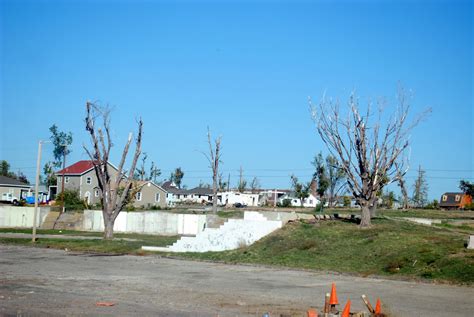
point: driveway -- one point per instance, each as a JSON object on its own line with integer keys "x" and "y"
{"x": 45, "y": 282}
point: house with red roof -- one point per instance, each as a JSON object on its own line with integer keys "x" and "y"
{"x": 81, "y": 177}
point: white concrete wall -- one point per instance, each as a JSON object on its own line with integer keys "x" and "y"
{"x": 233, "y": 234}
{"x": 151, "y": 222}
{"x": 21, "y": 217}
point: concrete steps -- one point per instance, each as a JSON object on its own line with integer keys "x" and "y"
{"x": 50, "y": 220}
{"x": 233, "y": 234}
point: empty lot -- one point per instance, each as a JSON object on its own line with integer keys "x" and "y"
{"x": 36, "y": 281}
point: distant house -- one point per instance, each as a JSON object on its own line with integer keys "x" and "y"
{"x": 270, "y": 197}
{"x": 454, "y": 200}
{"x": 310, "y": 202}
{"x": 173, "y": 193}
{"x": 201, "y": 195}
{"x": 148, "y": 195}
{"x": 11, "y": 188}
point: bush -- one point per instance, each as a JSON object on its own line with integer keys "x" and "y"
{"x": 469, "y": 206}
{"x": 71, "y": 200}
{"x": 285, "y": 203}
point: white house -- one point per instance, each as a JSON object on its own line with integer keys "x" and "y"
{"x": 230, "y": 198}
{"x": 310, "y": 202}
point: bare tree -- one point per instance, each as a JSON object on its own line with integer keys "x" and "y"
{"x": 366, "y": 151}
{"x": 255, "y": 185}
{"x": 115, "y": 190}
{"x": 214, "y": 158}
{"x": 400, "y": 178}
{"x": 242, "y": 182}
{"x": 420, "y": 189}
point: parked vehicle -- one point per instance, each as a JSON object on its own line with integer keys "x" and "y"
{"x": 8, "y": 197}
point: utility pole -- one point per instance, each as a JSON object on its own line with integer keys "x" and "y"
{"x": 228, "y": 183}
{"x": 62, "y": 180}
{"x": 35, "y": 213}
{"x": 240, "y": 178}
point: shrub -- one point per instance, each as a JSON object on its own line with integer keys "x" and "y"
{"x": 71, "y": 200}
{"x": 285, "y": 203}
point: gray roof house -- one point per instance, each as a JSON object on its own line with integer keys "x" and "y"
{"x": 13, "y": 188}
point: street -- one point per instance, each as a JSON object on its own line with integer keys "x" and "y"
{"x": 46, "y": 282}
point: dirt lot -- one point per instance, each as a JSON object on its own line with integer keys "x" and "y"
{"x": 44, "y": 282}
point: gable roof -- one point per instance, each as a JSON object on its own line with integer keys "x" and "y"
{"x": 11, "y": 182}
{"x": 200, "y": 191}
{"x": 143, "y": 183}
{"x": 79, "y": 168}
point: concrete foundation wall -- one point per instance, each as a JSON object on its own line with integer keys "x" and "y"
{"x": 152, "y": 222}
{"x": 21, "y": 217}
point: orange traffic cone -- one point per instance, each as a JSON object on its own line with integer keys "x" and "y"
{"x": 333, "y": 299}
{"x": 378, "y": 308}
{"x": 312, "y": 313}
{"x": 347, "y": 309}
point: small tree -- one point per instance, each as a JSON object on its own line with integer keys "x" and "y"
{"x": 214, "y": 159}
{"x": 62, "y": 145}
{"x": 115, "y": 190}
{"x": 177, "y": 177}
{"x": 155, "y": 172}
{"x": 420, "y": 189}
{"x": 366, "y": 151}
{"x": 4, "y": 168}
{"x": 255, "y": 185}
{"x": 242, "y": 182}
{"x": 467, "y": 187}
{"x": 140, "y": 173}
{"x": 320, "y": 176}
{"x": 222, "y": 185}
{"x": 301, "y": 190}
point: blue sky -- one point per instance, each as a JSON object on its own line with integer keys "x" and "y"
{"x": 243, "y": 68}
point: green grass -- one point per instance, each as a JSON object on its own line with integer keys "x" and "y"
{"x": 389, "y": 248}
{"x": 118, "y": 245}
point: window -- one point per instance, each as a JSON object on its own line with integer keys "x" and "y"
{"x": 96, "y": 193}
{"x": 66, "y": 179}
{"x": 138, "y": 196}
{"x": 445, "y": 197}
{"x": 310, "y": 201}
{"x": 157, "y": 197}
{"x": 88, "y": 180}
{"x": 458, "y": 198}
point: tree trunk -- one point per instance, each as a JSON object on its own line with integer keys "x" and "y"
{"x": 214, "y": 196}
{"x": 365, "y": 215}
{"x": 373, "y": 209}
{"x": 108, "y": 227}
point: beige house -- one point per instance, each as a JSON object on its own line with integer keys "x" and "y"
{"x": 148, "y": 195}
{"x": 81, "y": 176}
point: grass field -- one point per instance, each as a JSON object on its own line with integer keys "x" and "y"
{"x": 389, "y": 248}
{"x": 117, "y": 246}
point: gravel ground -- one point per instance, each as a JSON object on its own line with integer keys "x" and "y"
{"x": 46, "y": 282}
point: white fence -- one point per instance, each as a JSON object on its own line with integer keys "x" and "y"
{"x": 21, "y": 217}
{"x": 152, "y": 222}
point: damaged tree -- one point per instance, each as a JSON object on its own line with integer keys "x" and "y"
{"x": 214, "y": 158}
{"x": 367, "y": 152}
{"x": 115, "y": 191}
